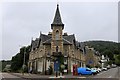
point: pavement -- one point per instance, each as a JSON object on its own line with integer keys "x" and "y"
{"x": 26, "y": 75}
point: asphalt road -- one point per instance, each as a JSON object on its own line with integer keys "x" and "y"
{"x": 8, "y": 76}
{"x": 109, "y": 74}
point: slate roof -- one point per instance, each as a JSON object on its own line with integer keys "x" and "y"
{"x": 35, "y": 43}
{"x": 64, "y": 41}
{"x": 69, "y": 38}
{"x": 46, "y": 39}
{"x": 78, "y": 44}
{"x": 57, "y": 19}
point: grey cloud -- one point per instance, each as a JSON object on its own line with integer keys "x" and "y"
{"x": 88, "y": 21}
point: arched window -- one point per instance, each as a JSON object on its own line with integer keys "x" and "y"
{"x": 57, "y": 35}
{"x": 57, "y": 49}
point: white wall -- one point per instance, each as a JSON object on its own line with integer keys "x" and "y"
{"x": 48, "y": 64}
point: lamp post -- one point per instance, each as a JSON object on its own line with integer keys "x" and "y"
{"x": 23, "y": 66}
{"x": 24, "y": 60}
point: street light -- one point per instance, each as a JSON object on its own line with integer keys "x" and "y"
{"x": 23, "y": 66}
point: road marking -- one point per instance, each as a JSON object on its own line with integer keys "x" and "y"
{"x": 109, "y": 76}
{"x": 99, "y": 73}
{"x": 56, "y": 77}
{"x": 3, "y": 77}
{"x": 81, "y": 77}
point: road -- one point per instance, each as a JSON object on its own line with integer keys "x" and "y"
{"x": 8, "y": 76}
{"x": 111, "y": 73}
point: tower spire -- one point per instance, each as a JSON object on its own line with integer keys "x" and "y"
{"x": 57, "y": 19}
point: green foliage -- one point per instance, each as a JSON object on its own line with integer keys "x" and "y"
{"x": 101, "y": 46}
{"x": 61, "y": 63}
{"x": 109, "y": 54}
{"x": 109, "y": 62}
{"x": 98, "y": 66}
{"x": 117, "y": 59}
{"x": 3, "y": 64}
{"x": 17, "y": 60}
{"x": 116, "y": 51}
{"x": 89, "y": 66}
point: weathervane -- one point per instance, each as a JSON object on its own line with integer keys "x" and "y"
{"x": 57, "y": 2}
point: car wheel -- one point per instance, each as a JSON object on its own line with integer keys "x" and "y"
{"x": 79, "y": 74}
{"x": 93, "y": 73}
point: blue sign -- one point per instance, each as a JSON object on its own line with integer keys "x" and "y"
{"x": 90, "y": 61}
{"x": 56, "y": 65}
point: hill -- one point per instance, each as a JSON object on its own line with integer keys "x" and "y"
{"x": 107, "y": 48}
{"x": 102, "y": 46}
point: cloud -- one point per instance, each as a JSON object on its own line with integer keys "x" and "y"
{"x": 88, "y": 21}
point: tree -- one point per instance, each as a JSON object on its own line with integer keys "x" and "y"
{"x": 61, "y": 58}
{"x": 109, "y": 54}
{"x": 3, "y": 64}
{"x": 117, "y": 60}
{"x": 17, "y": 60}
{"x": 109, "y": 62}
{"x": 116, "y": 51}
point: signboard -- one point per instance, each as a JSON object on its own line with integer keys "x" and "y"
{"x": 65, "y": 70}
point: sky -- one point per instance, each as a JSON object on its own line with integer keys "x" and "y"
{"x": 22, "y": 21}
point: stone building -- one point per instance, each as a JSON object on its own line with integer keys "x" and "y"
{"x": 92, "y": 57}
{"x": 45, "y": 48}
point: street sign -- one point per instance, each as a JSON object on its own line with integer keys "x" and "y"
{"x": 90, "y": 62}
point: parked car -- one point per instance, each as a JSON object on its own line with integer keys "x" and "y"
{"x": 94, "y": 72}
{"x": 104, "y": 69}
{"x": 97, "y": 71}
{"x": 114, "y": 66}
{"x": 108, "y": 67}
{"x": 85, "y": 71}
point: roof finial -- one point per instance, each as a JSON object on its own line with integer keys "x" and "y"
{"x": 57, "y": 3}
